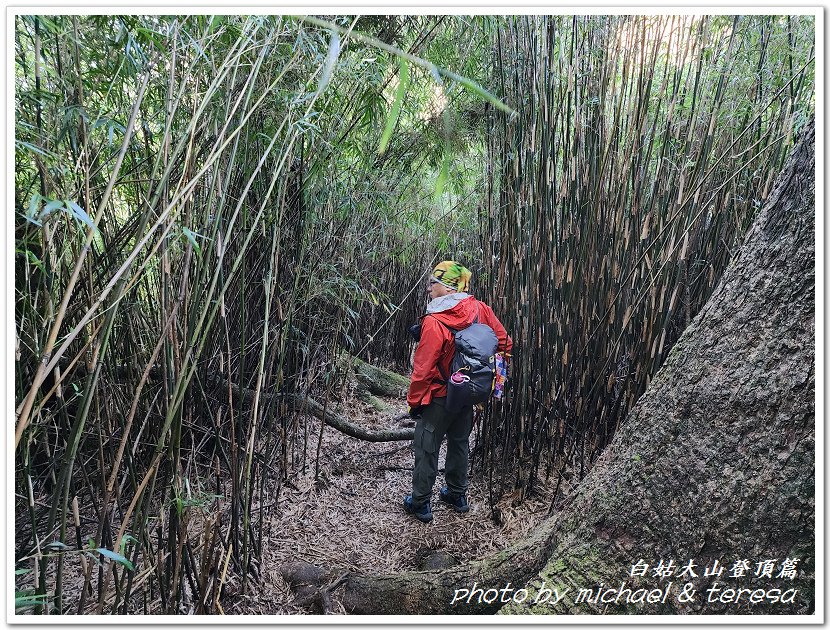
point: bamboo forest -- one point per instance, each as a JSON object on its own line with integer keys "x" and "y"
{"x": 250, "y": 249}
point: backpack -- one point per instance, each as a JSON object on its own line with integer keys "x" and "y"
{"x": 473, "y": 366}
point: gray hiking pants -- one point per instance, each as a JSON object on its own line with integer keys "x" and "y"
{"x": 436, "y": 422}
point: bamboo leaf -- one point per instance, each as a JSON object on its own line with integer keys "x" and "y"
{"x": 28, "y": 601}
{"x": 126, "y": 539}
{"x": 330, "y": 62}
{"x": 80, "y": 214}
{"x": 117, "y": 557}
{"x": 33, "y": 259}
{"x": 55, "y": 545}
{"x": 479, "y": 91}
{"x": 31, "y": 147}
{"x": 190, "y": 235}
{"x": 392, "y": 119}
{"x": 215, "y": 23}
{"x": 51, "y": 207}
{"x": 443, "y": 175}
{"x": 34, "y": 205}
{"x": 94, "y": 557}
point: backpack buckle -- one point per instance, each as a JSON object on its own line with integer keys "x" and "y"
{"x": 458, "y": 378}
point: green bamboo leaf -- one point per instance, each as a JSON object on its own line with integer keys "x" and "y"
{"x": 55, "y": 545}
{"x": 22, "y": 571}
{"x": 117, "y": 557}
{"x": 215, "y": 23}
{"x": 28, "y": 601}
{"x": 33, "y": 210}
{"x": 31, "y": 147}
{"x": 80, "y": 214}
{"x": 51, "y": 207}
{"x": 50, "y": 25}
{"x": 392, "y": 119}
{"x": 126, "y": 539}
{"x": 331, "y": 61}
{"x": 94, "y": 557}
{"x": 190, "y": 235}
{"x": 33, "y": 259}
{"x": 443, "y": 175}
{"x": 33, "y": 220}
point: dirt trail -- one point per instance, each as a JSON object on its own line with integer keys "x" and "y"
{"x": 352, "y": 519}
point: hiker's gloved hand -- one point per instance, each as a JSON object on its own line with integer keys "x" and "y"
{"x": 479, "y": 408}
{"x": 415, "y": 412}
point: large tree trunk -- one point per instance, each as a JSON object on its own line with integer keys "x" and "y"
{"x": 715, "y": 462}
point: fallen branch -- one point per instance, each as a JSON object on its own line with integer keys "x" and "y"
{"x": 331, "y": 418}
{"x": 343, "y": 425}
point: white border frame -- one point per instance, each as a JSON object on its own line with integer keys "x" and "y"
{"x": 461, "y": 7}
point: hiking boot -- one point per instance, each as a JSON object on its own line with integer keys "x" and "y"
{"x": 422, "y": 512}
{"x": 457, "y": 501}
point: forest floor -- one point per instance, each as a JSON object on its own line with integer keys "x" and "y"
{"x": 352, "y": 519}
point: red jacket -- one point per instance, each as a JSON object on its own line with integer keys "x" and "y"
{"x": 437, "y": 345}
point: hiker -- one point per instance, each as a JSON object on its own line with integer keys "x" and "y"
{"x": 450, "y": 309}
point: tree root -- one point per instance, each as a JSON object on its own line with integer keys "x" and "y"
{"x": 430, "y": 592}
